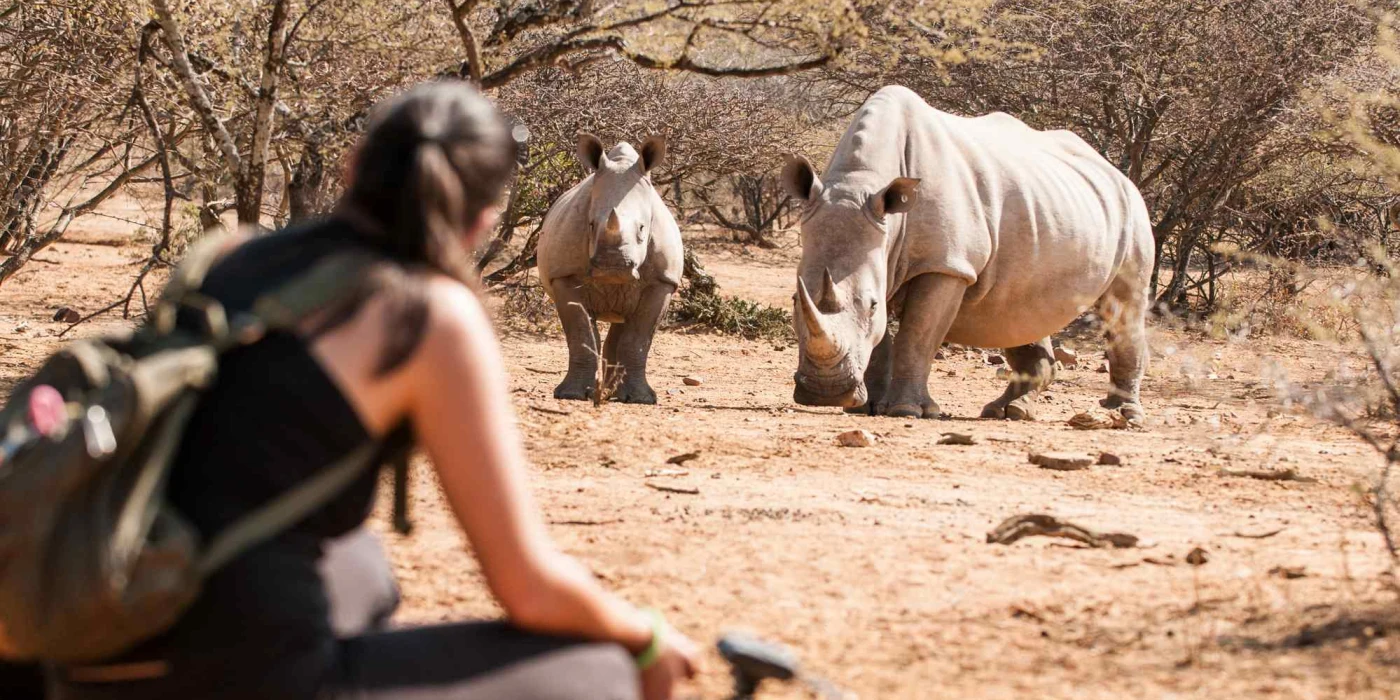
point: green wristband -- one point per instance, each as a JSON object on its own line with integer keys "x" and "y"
{"x": 652, "y": 653}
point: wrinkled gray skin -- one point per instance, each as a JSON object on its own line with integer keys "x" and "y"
{"x": 978, "y": 231}
{"x": 610, "y": 251}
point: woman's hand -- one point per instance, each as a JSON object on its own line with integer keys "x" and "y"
{"x": 679, "y": 659}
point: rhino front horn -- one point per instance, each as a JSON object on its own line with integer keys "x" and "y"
{"x": 819, "y": 341}
{"x": 612, "y": 231}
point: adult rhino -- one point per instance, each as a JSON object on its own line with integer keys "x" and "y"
{"x": 610, "y": 250}
{"x": 979, "y": 231}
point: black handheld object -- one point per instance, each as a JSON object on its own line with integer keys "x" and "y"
{"x": 752, "y": 661}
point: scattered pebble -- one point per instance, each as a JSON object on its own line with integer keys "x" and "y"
{"x": 1197, "y": 557}
{"x": 1061, "y": 461}
{"x": 1289, "y": 571}
{"x": 1103, "y": 367}
{"x": 22, "y": 327}
{"x": 856, "y": 438}
{"x": 1110, "y": 459}
{"x": 693, "y": 381}
{"x": 957, "y": 439}
{"x": 996, "y": 359}
{"x": 67, "y": 315}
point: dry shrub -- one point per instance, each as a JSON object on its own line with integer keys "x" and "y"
{"x": 1289, "y": 299}
{"x": 521, "y": 305}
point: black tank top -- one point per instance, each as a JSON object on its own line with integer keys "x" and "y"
{"x": 261, "y": 626}
{"x": 274, "y": 417}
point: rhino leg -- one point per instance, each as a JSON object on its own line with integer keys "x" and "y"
{"x": 930, "y": 306}
{"x": 611, "y": 343}
{"x": 877, "y": 376}
{"x": 581, "y": 334}
{"x": 1124, "y": 311}
{"x": 634, "y": 344}
{"x": 1032, "y": 368}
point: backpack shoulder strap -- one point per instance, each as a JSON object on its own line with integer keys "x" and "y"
{"x": 287, "y": 509}
{"x": 188, "y": 276}
{"x": 326, "y": 282}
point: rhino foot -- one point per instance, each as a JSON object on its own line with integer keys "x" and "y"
{"x": 635, "y": 393}
{"x": 574, "y": 390}
{"x": 1133, "y": 412}
{"x": 1018, "y": 409}
{"x": 865, "y": 409}
{"x": 929, "y": 409}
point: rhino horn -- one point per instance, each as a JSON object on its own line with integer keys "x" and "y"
{"x": 819, "y": 341}
{"x": 829, "y": 302}
{"x": 612, "y": 232}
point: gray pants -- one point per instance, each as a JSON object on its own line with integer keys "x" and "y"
{"x": 359, "y": 582}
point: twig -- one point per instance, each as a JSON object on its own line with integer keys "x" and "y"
{"x": 586, "y": 522}
{"x": 1021, "y": 526}
{"x": 1258, "y": 535}
{"x": 551, "y": 411}
{"x": 675, "y": 489}
{"x": 1269, "y": 475}
{"x": 92, "y": 315}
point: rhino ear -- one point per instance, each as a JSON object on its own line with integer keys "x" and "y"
{"x": 899, "y": 197}
{"x": 653, "y": 152}
{"x": 800, "y": 178}
{"x": 589, "y": 151}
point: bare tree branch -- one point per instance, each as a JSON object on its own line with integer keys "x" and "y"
{"x": 195, "y": 92}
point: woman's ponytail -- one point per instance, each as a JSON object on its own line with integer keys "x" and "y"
{"x": 431, "y": 161}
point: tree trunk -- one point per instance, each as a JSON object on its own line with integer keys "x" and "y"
{"x": 251, "y": 178}
{"x": 304, "y": 193}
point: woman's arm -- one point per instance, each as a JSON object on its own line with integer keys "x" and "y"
{"x": 458, "y": 400}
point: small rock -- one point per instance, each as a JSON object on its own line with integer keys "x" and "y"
{"x": 957, "y": 439}
{"x": 1061, "y": 461}
{"x": 856, "y": 438}
{"x": 1098, "y": 421}
{"x": 22, "y": 327}
{"x": 1110, "y": 459}
{"x": 1103, "y": 367}
{"x": 693, "y": 381}
{"x": 1066, "y": 357}
{"x": 1197, "y": 557}
{"x": 683, "y": 458}
{"x": 67, "y": 315}
{"x": 939, "y": 354}
{"x": 996, "y": 359}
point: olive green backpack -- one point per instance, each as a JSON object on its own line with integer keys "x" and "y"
{"x": 92, "y": 557}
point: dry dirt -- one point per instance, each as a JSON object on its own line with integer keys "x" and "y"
{"x": 872, "y": 563}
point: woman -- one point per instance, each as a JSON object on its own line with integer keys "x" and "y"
{"x": 410, "y": 357}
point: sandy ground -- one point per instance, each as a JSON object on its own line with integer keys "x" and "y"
{"x": 872, "y": 563}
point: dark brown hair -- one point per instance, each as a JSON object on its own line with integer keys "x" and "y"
{"x": 431, "y": 160}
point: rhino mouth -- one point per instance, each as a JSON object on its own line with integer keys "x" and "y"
{"x": 813, "y": 391}
{"x": 614, "y": 275}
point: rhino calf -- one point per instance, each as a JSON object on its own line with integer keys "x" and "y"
{"x": 610, "y": 250}
{"x": 979, "y": 231}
